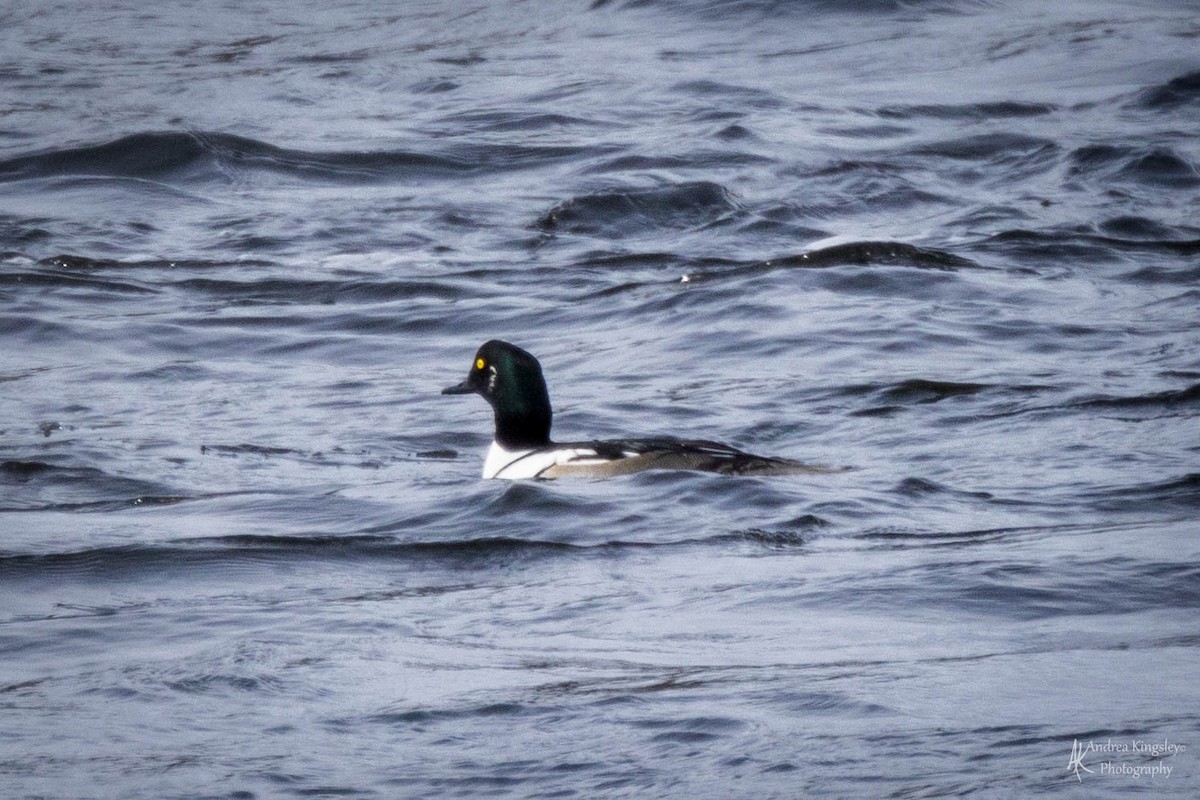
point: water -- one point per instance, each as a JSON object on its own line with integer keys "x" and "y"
{"x": 244, "y": 548}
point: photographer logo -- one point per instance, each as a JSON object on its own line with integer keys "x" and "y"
{"x": 1136, "y": 758}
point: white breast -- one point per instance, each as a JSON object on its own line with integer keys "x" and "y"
{"x": 520, "y": 464}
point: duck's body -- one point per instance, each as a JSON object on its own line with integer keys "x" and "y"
{"x": 623, "y": 456}
{"x": 510, "y": 379}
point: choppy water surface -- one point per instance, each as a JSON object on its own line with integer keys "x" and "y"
{"x": 244, "y": 548}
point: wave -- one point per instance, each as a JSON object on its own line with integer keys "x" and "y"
{"x": 1155, "y": 167}
{"x": 198, "y": 157}
{"x": 849, "y": 254}
{"x": 1083, "y": 245}
{"x": 1166, "y": 403}
{"x": 77, "y": 263}
{"x": 238, "y": 550}
{"x": 1078, "y": 587}
{"x": 875, "y": 254}
{"x": 1074, "y": 585}
{"x": 769, "y": 10}
{"x": 887, "y": 399}
{"x": 922, "y": 391}
{"x": 856, "y": 186}
{"x": 40, "y": 486}
{"x": 54, "y": 279}
{"x": 1164, "y": 400}
{"x": 978, "y": 112}
{"x": 164, "y": 156}
{"x": 1181, "y": 492}
{"x": 1180, "y": 91}
{"x": 626, "y": 212}
{"x": 1000, "y": 149}
{"x": 71, "y": 271}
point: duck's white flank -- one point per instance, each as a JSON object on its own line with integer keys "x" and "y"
{"x": 519, "y": 464}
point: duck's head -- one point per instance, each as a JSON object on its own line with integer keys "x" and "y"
{"x": 510, "y": 379}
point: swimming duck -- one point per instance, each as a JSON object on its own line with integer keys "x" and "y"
{"x": 510, "y": 379}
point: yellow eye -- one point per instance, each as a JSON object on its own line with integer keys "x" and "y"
{"x": 479, "y": 363}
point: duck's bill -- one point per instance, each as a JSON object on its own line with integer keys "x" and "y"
{"x": 462, "y": 388}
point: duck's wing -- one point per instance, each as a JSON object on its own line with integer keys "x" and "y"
{"x": 620, "y": 457}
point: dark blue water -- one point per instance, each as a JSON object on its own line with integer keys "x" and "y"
{"x": 244, "y": 548}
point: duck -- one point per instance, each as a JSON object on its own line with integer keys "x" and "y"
{"x": 510, "y": 379}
